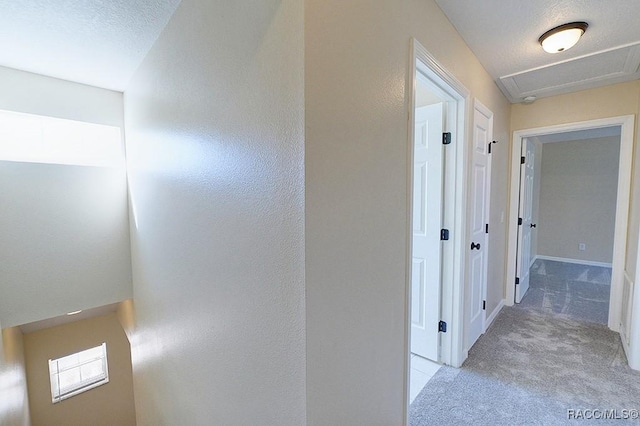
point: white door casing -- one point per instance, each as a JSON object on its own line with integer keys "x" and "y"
{"x": 626, "y": 123}
{"x": 427, "y": 220}
{"x": 454, "y": 252}
{"x": 527, "y": 176}
{"x": 480, "y": 177}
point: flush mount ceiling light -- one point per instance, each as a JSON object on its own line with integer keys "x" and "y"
{"x": 564, "y": 37}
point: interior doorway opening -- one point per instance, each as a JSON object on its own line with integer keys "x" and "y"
{"x": 436, "y": 222}
{"x": 619, "y": 308}
{"x": 568, "y": 198}
{"x": 430, "y": 122}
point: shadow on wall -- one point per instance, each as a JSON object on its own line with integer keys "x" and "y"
{"x": 14, "y": 406}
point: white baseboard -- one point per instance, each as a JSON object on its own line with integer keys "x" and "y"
{"x": 494, "y": 314}
{"x": 625, "y": 345}
{"x": 578, "y": 261}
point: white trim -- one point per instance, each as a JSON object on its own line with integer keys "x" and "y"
{"x": 624, "y": 322}
{"x": 626, "y": 124}
{"x": 406, "y": 368}
{"x": 494, "y": 314}
{"x": 452, "y": 349}
{"x": 625, "y": 347}
{"x": 576, "y": 261}
{"x": 627, "y": 276}
{"x": 434, "y": 66}
{"x": 633, "y": 355}
{"x": 83, "y": 385}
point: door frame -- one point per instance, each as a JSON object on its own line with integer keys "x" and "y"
{"x": 452, "y": 351}
{"x": 626, "y": 124}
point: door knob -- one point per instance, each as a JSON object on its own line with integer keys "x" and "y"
{"x": 475, "y": 246}
{"x": 533, "y": 225}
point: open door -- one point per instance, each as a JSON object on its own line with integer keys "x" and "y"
{"x": 479, "y": 220}
{"x": 427, "y": 220}
{"x": 525, "y": 217}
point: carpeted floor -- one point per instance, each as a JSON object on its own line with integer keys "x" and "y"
{"x": 530, "y": 368}
{"x": 575, "y": 291}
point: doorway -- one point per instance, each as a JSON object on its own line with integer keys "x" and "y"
{"x": 436, "y": 183}
{"x": 524, "y": 138}
{"x": 568, "y": 203}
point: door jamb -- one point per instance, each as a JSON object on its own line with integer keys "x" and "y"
{"x": 626, "y": 124}
{"x": 452, "y": 304}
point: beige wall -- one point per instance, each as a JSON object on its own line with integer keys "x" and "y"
{"x": 215, "y": 144}
{"x": 127, "y": 316}
{"x": 578, "y": 189}
{"x": 634, "y": 210}
{"x": 14, "y": 404}
{"x": 110, "y": 404}
{"x": 608, "y": 101}
{"x": 356, "y": 73}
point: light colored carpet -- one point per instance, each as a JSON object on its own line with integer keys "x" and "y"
{"x": 575, "y": 291}
{"x": 528, "y": 369}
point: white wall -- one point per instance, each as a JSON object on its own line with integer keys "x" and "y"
{"x": 14, "y": 403}
{"x": 214, "y": 120}
{"x": 578, "y": 190}
{"x": 65, "y": 240}
{"x": 356, "y": 74}
{"x": 65, "y": 229}
{"x": 22, "y": 91}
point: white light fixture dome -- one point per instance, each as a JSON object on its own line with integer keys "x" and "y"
{"x": 562, "y": 38}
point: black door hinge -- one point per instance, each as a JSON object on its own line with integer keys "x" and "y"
{"x": 446, "y": 138}
{"x": 489, "y": 147}
{"x": 484, "y": 305}
{"x": 519, "y": 221}
{"x": 442, "y": 326}
{"x": 517, "y": 280}
{"x": 444, "y": 234}
{"x": 523, "y": 160}
{"x": 486, "y": 228}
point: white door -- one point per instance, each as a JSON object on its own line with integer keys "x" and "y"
{"x": 479, "y": 220}
{"x": 427, "y": 219}
{"x": 523, "y": 261}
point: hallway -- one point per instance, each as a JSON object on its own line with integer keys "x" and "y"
{"x": 539, "y": 359}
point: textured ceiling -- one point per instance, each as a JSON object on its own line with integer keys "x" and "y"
{"x": 504, "y": 34}
{"x": 95, "y": 42}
